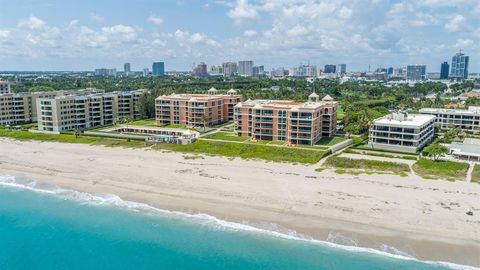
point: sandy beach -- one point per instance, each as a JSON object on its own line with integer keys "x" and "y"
{"x": 424, "y": 218}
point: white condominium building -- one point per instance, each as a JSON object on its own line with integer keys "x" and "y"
{"x": 21, "y": 108}
{"x": 468, "y": 120}
{"x": 65, "y": 113}
{"x": 402, "y": 132}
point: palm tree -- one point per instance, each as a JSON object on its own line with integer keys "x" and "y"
{"x": 77, "y": 133}
{"x": 204, "y": 119}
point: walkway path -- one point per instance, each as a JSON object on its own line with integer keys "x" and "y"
{"x": 469, "y": 172}
{"x": 215, "y": 130}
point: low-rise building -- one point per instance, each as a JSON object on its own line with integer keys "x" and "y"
{"x": 468, "y": 150}
{"x": 402, "y": 132}
{"x": 468, "y": 120}
{"x": 196, "y": 109}
{"x": 282, "y": 120}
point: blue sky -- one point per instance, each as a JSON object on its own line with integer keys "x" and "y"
{"x": 83, "y": 35}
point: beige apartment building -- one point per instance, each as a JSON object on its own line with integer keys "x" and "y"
{"x": 21, "y": 108}
{"x": 281, "y": 120}
{"x": 65, "y": 113}
{"x": 196, "y": 109}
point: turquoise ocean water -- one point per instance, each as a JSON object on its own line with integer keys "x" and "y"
{"x": 48, "y": 228}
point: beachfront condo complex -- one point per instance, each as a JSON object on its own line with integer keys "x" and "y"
{"x": 196, "y": 110}
{"x": 402, "y": 132}
{"x": 70, "y": 112}
{"x": 282, "y": 120}
{"x": 21, "y": 108}
{"x": 468, "y": 120}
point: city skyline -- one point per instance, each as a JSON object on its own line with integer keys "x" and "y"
{"x": 50, "y": 35}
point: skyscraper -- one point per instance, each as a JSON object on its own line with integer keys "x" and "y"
{"x": 158, "y": 69}
{"x": 200, "y": 70}
{"x": 106, "y": 72}
{"x": 444, "y": 69}
{"x": 459, "y": 66}
{"x": 341, "y": 69}
{"x": 258, "y": 71}
{"x": 229, "y": 69}
{"x": 329, "y": 69}
{"x": 245, "y": 68}
{"x": 126, "y": 69}
{"x": 416, "y": 72}
{"x": 216, "y": 70}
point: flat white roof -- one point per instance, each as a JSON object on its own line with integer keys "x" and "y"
{"x": 471, "y": 111}
{"x": 266, "y": 103}
{"x": 411, "y": 120}
{"x": 470, "y": 147}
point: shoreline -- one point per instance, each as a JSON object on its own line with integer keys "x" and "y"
{"x": 294, "y": 197}
{"x": 208, "y": 220}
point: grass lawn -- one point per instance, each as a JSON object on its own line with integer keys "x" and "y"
{"x": 277, "y": 142}
{"x": 355, "y": 166}
{"x": 449, "y": 170}
{"x": 476, "y": 174}
{"x": 247, "y": 151}
{"x": 226, "y": 136}
{"x": 378, "y": 154}
{"x": 261, "y": 142}
{"x": 228, "y": 149}
{"x": 70, "y": 138}
{"x": 330, "y": 141}
{"x": 145, "y": 123}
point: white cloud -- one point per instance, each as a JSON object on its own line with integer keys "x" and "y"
{"x": 95, "y": 17}
{"x": 464, "y": 43}
{"x": 297, "y": 30}
{"x": 32, "y": 23}
{"x": 441, "y": 3}
{"x": 185, "y": 38}
{"x": 155, "y": 20}
{"x": 121, "y": 31}
{"x": 250, "y": 33}
{"x": 4, "y": 34}
{"x": 345, "y": 13}
{"x": 456, "y": 23}
{"x": 243, "y": 11}
{"x": 159, "y": 43}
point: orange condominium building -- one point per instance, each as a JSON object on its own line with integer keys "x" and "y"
{"x": 281, "y": 120}
{"x": 196, "y": 109}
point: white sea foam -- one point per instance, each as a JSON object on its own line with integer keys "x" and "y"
{"x": 334, "y": 240}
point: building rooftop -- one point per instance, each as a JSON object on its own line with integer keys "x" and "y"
{"x": 471, "y": 110}
{"x": 191, "y": 96}
{"x": 404, "y": 120}
{"x": 468, "y": 146}
{"x": 286, "y": 104}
